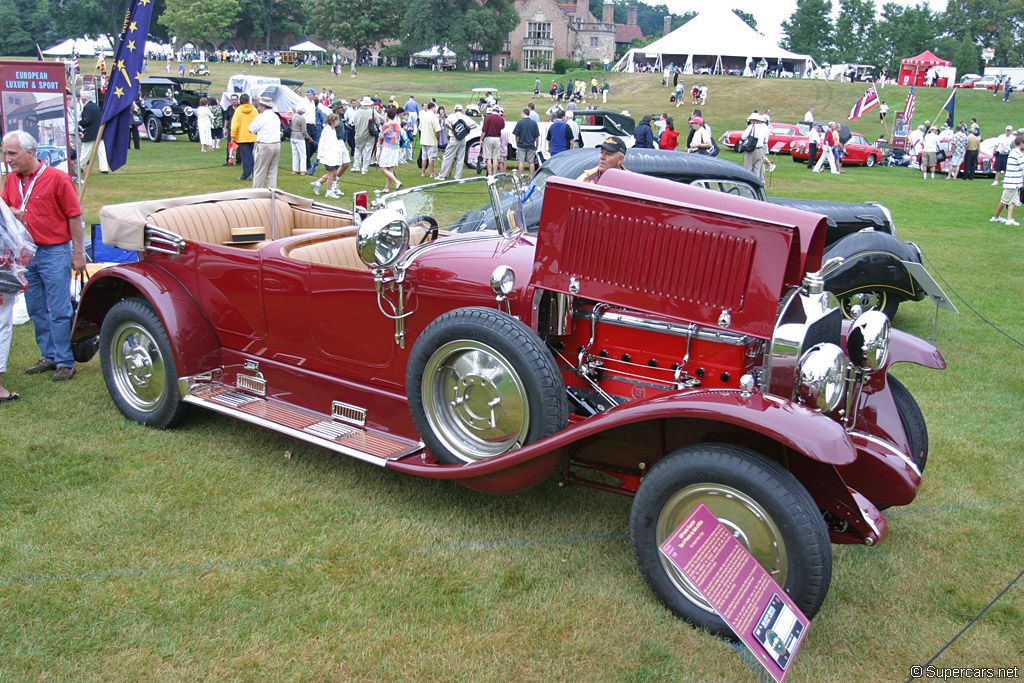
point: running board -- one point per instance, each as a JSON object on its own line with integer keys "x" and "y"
{"x": 307, "y": 426}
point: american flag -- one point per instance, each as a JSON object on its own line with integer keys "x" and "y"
{"x": 869, "y": 100}
{"x": 908, "y": 111}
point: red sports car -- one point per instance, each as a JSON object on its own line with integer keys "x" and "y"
{"x": 782, "y": 138}
{"x": 858, "y": 151}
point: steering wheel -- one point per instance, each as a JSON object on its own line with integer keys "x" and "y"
{"x": 431, "y": 233}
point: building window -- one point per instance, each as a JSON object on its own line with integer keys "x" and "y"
{"x": 536, "y": 29}
{"x": 593, "y": 41}
{"x": 537, "y": 60}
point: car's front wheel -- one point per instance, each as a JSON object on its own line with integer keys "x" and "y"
{"x": 912, "y": 420}
{"x": 138, "y": 365}
{"x": 193, "y": 130}
{"x": 154, "y": 128}
{"x": 761, "y": 504}
{"x": 879, "y": 300}
{"x": 481, "y": 383}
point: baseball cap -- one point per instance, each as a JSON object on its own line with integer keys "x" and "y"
{"x": 457, "y": 107}
{"x": 698, "y": 120}
{"x": 310, "y": 90}
{"x": 613, "y": 144}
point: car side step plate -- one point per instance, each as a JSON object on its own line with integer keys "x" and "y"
{"x": 300, "y": 424}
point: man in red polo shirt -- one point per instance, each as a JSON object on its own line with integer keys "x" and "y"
{"x": 493, "y": 124}
{"x": 44, "y": 199}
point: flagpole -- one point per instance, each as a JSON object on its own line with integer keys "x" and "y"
{"x": 92, "y": 157}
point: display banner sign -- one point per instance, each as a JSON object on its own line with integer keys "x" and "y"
{"x": 740, "y": 590}
{"x": 32, "y": 99}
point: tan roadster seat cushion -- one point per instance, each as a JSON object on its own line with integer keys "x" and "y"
{"x": 211, "y": 222}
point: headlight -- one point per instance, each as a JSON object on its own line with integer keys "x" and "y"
{"x": 503, "y": 279}
{"x": 166, "y": 111}
{"x": 821, "y": 376}
{"x": 868, "y": 341}
{"x": 382, "y": 239}
{"x": 188, "y": 111}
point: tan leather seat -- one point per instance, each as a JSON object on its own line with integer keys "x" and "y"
{"x": 340, "y": 253}
{"x": 211, "y": 222}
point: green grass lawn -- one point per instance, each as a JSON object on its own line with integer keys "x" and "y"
{"x": 218, "y": 551}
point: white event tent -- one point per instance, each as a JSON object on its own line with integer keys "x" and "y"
{"x": 83, "y": 47}
{"x": 715, "y": 41}
{"x": 307, "y": 46}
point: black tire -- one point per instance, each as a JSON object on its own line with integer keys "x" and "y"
{"x": 913, "y": 422}
{"x": 479, "y": 165}
{"x": 871, "y": 160}
{"x": 154, "y": 128}
{"x": 138, "y": 365}
{"x": 764, "y": 506}
{"x": 193, "y": 130}
{"x": 518, "y": 396}
{"x": 881, "y": 300}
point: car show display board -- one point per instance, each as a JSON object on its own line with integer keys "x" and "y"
{"x": 32, "y": 99}
{"x": 741, "y": 591}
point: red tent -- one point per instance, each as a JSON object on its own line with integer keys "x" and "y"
{"x": 913, "y": 70}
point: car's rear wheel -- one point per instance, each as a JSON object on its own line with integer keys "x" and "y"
{"x": 871, "y": 160}
{"x": 761, "y": 504}
{"x": 481, "y": 383}
{"x": 154, "y": 128}
{"x": 138, "y": 365}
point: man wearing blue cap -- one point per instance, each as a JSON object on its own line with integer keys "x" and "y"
{"x": 612, "y": 154}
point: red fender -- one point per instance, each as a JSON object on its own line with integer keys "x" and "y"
{"x": 193, "y": 340}
{"x": 906, "y": 348}
{"x": 795, "y": 426}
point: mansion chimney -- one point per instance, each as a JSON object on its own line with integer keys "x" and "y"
{"x": 632, "y": 13}
{"x": 667, "y": 28}
{"x": 608, "y": 13}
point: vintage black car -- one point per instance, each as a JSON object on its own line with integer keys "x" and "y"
{"x": 866, "y": 265}
{"x": 163, "y": 112}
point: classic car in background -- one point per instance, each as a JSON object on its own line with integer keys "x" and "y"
{"x": 162, "y": 113}
{"x": 875, "y": 270}
{"x": 859, "y": 151}
{"x": 284, "y": 92}
{"x": 653, "y": 339}
{"x": 782, "y": 137}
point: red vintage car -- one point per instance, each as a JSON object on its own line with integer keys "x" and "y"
{"x": 661, "y": 341}
{"x": 782, "y": 138}
{"x": 858, "y": 151}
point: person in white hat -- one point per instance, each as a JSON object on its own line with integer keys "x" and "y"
{"x": 754, "y": 159}
{"x": 458, "y": 125}
{"x": 267, "y": 129}
{"x": 365, "y": 140}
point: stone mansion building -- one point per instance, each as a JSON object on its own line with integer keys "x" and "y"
{"x": 549, "y": 30}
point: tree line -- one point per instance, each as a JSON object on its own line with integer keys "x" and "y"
{"x": 862, "y": 35}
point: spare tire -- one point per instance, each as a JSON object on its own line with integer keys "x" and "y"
{"x": 481, "y": 383}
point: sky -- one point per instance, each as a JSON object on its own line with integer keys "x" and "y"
{"x": 770, "y": 14}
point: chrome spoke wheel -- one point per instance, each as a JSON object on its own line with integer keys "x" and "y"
{"x": 475, "y": 401}
{"x": 138, "y": 367}
{"x": 746, "y": 520}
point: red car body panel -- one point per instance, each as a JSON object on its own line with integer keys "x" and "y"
{"x": 857, "y": 151}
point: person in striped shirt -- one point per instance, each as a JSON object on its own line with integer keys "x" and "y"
{"x": 1013, "y": 180}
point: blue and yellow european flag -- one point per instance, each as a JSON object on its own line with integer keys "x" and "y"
{"x": 123, "y": 85}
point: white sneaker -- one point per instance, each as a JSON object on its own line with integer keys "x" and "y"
{"x": 1011, "y": 222}
{"x": 336, "y": 191}
{"x": 332, "y": 195}
{"x": 996, "y": 220}
{"x": 994, "y": 183}
{"x": 316, "y": 187}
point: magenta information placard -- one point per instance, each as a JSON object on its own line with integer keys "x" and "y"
{"x": 740, "y": 590}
